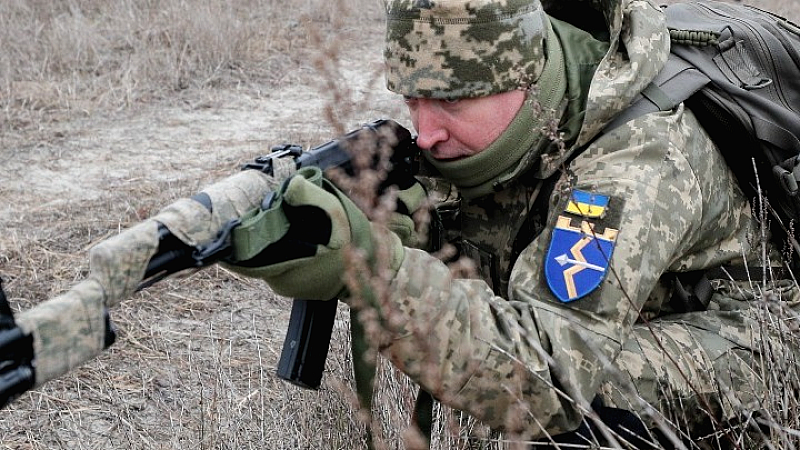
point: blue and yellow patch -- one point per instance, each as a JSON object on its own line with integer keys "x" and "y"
{"x": 580, "y": 246}
{"x": 586, "y": 205}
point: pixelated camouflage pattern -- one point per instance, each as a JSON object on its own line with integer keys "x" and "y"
{"x": 639, "y": 48}
{"x": 475, "y": 233}
{"x": 531, "y": 364}
{"x": 119, "y": 263}
{"x": 622, "y": 74}
{"x": 69, "y": 330}
{"x": 682, "y": 210}
{"x": 722, "y": 350}
{"x": 463, "y": 48}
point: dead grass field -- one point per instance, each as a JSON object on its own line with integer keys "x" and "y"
{"x": 111, "y": 110}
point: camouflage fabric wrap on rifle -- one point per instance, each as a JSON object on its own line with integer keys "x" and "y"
{"x": 70, "y": 329}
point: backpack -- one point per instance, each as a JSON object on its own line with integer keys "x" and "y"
{"x": 737, "y": 68}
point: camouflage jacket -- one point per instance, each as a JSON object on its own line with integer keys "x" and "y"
{"x": 650, "y": 197}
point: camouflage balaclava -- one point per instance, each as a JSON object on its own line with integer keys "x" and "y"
{"x": 463, "y": 48}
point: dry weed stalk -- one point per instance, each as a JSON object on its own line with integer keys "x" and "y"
{"x": 68, "y": 59}
{"x": 193, "y": 366}
{"x": 780, "y": 427}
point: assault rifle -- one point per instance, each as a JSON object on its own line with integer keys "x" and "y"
{"x": 59, "y": 334}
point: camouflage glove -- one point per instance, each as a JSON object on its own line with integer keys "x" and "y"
{"x": 315, "y": 223}
{"x": 409, "y": 201}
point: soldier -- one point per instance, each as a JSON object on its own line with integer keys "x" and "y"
{"x": 585, "y": 238}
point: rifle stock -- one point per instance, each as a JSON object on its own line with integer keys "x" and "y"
{"x": 62, "y": 333}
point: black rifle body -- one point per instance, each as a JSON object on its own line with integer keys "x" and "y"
{"x": 308, "y": 334}
{"x": 311, "y": 323}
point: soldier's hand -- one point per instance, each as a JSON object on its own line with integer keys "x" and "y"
{"x": 409, "y": 202}
{"x": 308, "y": 260}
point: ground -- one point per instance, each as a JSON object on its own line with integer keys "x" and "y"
{"x": 193, "y": 365}
{"x": 194, "y": 361}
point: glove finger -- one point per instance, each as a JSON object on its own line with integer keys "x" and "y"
{"x": 303, "y": 197}
{"x": 403, "y": 226}
{"x": 286, "y": 249}
{"x": 309, "y": 278}
{"x": 298, "y": 226}
{"x": 411, "y": 199}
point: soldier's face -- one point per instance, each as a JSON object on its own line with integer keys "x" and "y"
{"x": 454, "y": 129}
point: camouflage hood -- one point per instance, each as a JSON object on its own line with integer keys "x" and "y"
{"x": 471, "y": 48}
{"x": 639, "y": 46}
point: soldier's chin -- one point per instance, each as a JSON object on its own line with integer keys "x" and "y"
{"x": 444, "y": 158}
{"x": 452, "y": 159}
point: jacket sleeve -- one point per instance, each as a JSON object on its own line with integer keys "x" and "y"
{"x": 529, "y": 363}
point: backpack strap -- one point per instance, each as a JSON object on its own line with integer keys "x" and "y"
{"x": 677, "y": 81}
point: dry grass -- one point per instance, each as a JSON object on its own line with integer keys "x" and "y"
{"x": 193, "y": 366}
{"x": 85, "y": 55}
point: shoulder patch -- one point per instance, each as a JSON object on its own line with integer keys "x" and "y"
{"x": 586, "y": 205}
{"x": 581, "y": 245}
